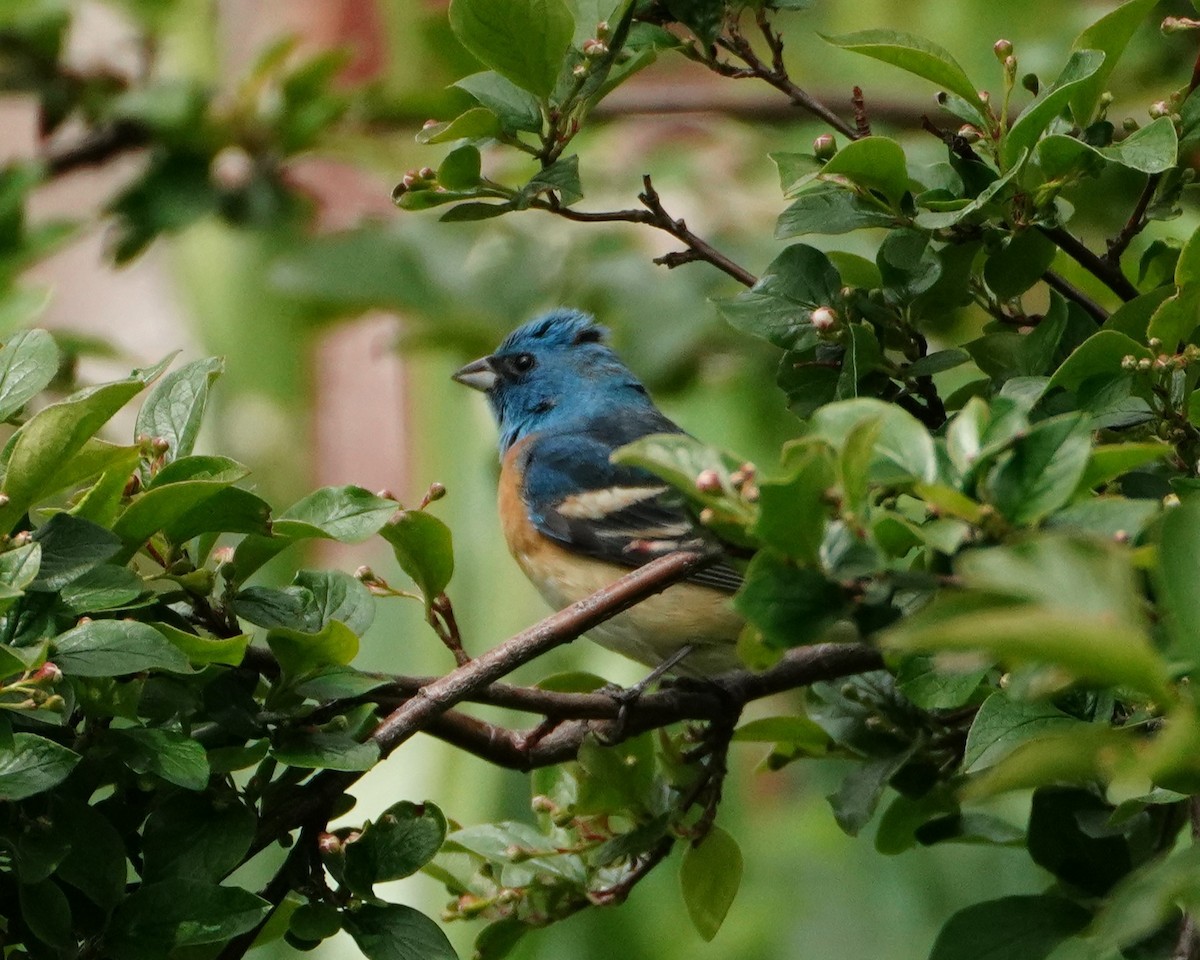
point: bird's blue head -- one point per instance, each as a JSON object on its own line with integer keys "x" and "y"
{"x": 551, "y": 372}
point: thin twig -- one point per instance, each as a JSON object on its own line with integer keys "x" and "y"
{"x": 1135, "y": 224}
{"x": 861, "y": 122}
{"x": 655, "y": 215}
{"x": 776, "y": 74}
{"x": 1072, "y": 292}
{"x": 96, "y": 147}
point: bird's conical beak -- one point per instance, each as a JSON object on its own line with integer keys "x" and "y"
{"x": 478, "y": 374}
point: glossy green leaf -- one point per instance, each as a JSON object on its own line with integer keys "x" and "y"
{"x": 1044, "y": 470}
{"x": 562, "y": 177}
{"x": 478, "y": 123}
{"x": 516, "y": 109}
{"x": 792, "y": 512}
{"x": 904, "y": 450}
{"x": 395, "y": 932}
{"x": 1035, "y": 118}
{"x": 205, "y": 650}
{"x": 1148, "y": 898}
{"x": 1176, "y": 575}
{"x": 161, "y": 917}
{"x": 69, "y": 547}
{"x": 348, "y": 514}
{"x": 915, "y": 55}
{"x": 710, "y": 873}
{"x": 1011, "y": 928}
{"x": 299, "y": 651}
{"x": 1003, "y": 723}
{"x": 326, "y": 750}
{"x": 33, "y": 764}
{"x": 523, "y": 40}
{"x": 790, "y": 605}
{"x": 1019, "y": 264}
{"x": 28, "y": 362}
{"x": 830, "y": 210}
{"x": 1109, "y": 461}
{"x": 872, "y": 163}
{"x": 424, "y": 550}
{"x": 1177, "y": 317}
{"x": 53, "y": 435}
{"x": 925, "y": 683}
{"x": 461, "y": 168}
{"x": 1099, "y": 355}
{"x": 779, "y": 306}
{"x": 396, "y": 844}
{"x": 1110, "y": 35}
{"x": 176, "y": 758}
{"x": 191, "y": 837}
{"x": 173, "y": 409}
{"x": 112, "y": 648}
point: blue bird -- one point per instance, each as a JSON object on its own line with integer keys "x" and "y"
{"x": 575, "y": 521}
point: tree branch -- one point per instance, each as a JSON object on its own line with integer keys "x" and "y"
{"x": 655, "y": 215}
{"x": 1135, "y": 224}
{"x": 1107, "y": 273}
{"x": 96, "y": 147}
{"x": 1072, "y": 292}
{"x": 439, "y": 696}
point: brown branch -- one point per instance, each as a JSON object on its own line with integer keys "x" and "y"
{"x": 1135, "y": 224}
{"x": 1072, "y": 292}
{"x": 613, "y": 722}
{"x": 442, "y": 694}
{"x": 775, "y": 74}
{"x": 96, "y": 147}
{"x": 1107, "y": 273}
{"x": 862, "y": 123}
{"x": 655, "y": 215}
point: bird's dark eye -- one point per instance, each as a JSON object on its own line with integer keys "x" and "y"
{"x": 523, "y": 362}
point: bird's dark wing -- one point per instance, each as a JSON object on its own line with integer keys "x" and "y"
{"x": 616, "y": 513}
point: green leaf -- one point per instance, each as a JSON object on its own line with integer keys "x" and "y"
{"x": 28, "y": 362}
{"x": 1176, "y": 318}
{"x": 1089, "y": 647}
{"x": 349, "y": 514}
{"x": 915, "y": 55}
{"x": 710, "y": 873}
{"x": 68, "y": 548}
{"x": 205, "y": 650}
{"x": 1175, "y": 574}
{"x": 158, "y": 918}
{"x": 52, "y": 436}
{"x": 33, "y": 764}
{"x": 516, "y": 108}
{"x": 1153, "y": 148}
{"x": 403, "y": 839}
{"x": 47, "y": 913}
{"x": 1035, "y": 118}
{"x": 174, "y": 408}
{"x": 779, "y": 306}
{"x": 95, "y": 862}
{"x": 105, "y": 587}
{"x": 176, "y": 758}
{"x": 1109, "y": 461}
{"x": 191, "y": 836}
{"x": 329, "y": 750}
{"x": 855, "y": 801}
{"x": 904, "y": 451}
{"x": 1019, "y": 264}
{"x": 229, "y": 510}
{"x": 1044, "y": 470}
{"x": 396, "y": 932}
{"x": 112, "y": 648}
{"x": 871, "y": 163}
{"x": 1148, "y": 898}
{"x": 1003, "y": 723}
{"x": 1110, "y": 34}
{"x": 562, "y": 176}
{"x": 523, "y": 40}
{"x": 1011, "y": 928}
{"x": 424, "y": 550}
{"x": 931, "y": 688}
{"x": 940, "y": 219}
{"x": 1100, "y": 355}
{"x": 461, "y": 168}
{"x": 1060, "y": 839}
{"x": 830, "y": 210}
{"x": 300, "y": 651}
{"x": 792, "y": 512}
{"x": 478, "y": 123}
{"x": 790, "y": 605}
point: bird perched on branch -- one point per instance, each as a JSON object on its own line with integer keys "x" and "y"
{"x": 574, "y": 520}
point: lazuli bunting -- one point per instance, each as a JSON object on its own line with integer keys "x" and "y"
{"x": 574, "y": 520}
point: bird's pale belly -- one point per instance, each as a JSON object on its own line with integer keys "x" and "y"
{"x": 650, "y": 631}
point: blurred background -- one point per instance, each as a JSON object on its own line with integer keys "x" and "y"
{"x": 342, "y": 319}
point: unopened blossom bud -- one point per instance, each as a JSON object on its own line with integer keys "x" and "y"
{"x": 1171, "y": 500}
{"x": 1129, "y": 124}
{"x": 707, "y": 515}
{"x": 48, "y": 673}
{"x": 159, "y": 446}
{"x": 3, "y": 499}
{"x": 1106, "y": 98}
{"x": 330, "y": 844}
{"x": 427, "y": 173}
{"x": 602, "y": 29}
{"x": 436, "y": 491}
{"x": 542, "y": 804}
{"x": 824, "y": 318}
{"x": 579, "y": 70}
{"x": 1128, "y": 362}
{"x": 1010, "y": 66}
{"x": 1002, "y": 49}
{"x": 232, "y": 168}
{"x": 365, "y": 574}
{"x": 430, "y": 123}
{"x": 708, "y": 481}
{"x": 970, "y": 133}
{"x": 1179, "y": 24}
{"x": 593, "y": 48}
{"x": 1159, "y": 108}
{"x": 825, "y": 146}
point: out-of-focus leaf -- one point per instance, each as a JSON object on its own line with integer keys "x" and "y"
{"x": 709, "y": 875}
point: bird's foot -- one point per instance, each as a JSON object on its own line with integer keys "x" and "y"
{"x": 617, "y": 730}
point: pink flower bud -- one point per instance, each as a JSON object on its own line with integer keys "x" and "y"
{"x": 823, "y": 318}
{"x": 708, "y": 481}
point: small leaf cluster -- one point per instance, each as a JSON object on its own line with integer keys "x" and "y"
{"x": 156, "y": 710}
